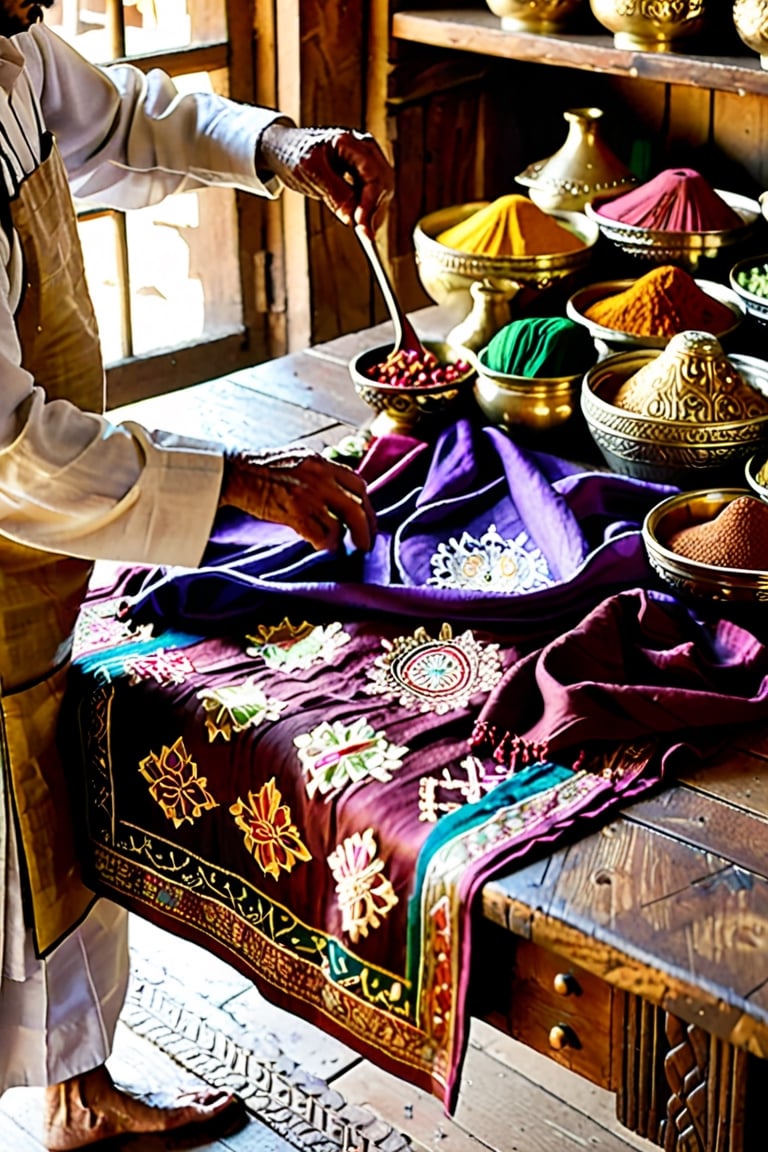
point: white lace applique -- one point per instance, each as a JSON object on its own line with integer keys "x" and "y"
{"x": 490, "y": 564}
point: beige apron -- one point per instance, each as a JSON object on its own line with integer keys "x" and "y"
{"x": 40, "y": 592}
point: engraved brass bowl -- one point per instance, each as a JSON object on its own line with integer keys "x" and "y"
{"x": 704, "y": 584}
{"x": 534, "y": 15}
{"x": 399, "y": 408}
{"x": 608, "y": 339}
{"x": 680, "y": 452}
{"x": 446, "y": 273}
{"x": 650, "y": 25}
{"x": 754, "y": 305}
{"x": 535, "y": 402}
{"x": 685, "y": 249}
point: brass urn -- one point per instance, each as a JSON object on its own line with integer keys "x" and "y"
{"x": 750, "y": 19}
{"x": 650, "y": 25}
{"x": 583, "y": 168}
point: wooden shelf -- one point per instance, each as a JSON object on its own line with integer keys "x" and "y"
{"x": 472, "y": 30}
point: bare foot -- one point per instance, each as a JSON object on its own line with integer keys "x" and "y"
{"x": 91, "y": 1107}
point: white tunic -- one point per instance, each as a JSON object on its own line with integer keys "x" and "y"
{"x": 71, "y": 482}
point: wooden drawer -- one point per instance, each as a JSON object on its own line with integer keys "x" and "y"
{"x": 561, "y": 1011}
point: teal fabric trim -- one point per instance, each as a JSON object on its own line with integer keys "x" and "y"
{"x": 522, "y": 786}
{"x": 110, "y": 662}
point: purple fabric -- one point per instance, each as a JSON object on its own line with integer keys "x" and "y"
{"x": 639, "y": 664}
{"x": 587, "y": 525}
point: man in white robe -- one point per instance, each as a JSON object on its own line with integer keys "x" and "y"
{"x": 75, "y": 489}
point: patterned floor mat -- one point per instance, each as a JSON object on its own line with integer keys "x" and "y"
{"x": 303, "y": 1109}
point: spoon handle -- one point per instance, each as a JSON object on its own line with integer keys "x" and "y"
{"x": 405, "y": 333}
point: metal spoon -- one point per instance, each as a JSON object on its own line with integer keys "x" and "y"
{"x": 405, "y": 333}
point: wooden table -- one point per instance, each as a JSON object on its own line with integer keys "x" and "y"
{"x": 638, "y": 956}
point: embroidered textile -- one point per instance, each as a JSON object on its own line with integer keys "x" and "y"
{"x": 389, "y": 744}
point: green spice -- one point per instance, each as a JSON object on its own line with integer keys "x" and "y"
{"x": 754, "y": 279}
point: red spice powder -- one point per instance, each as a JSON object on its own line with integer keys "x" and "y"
{"x": 736, "y": 538}
{"x": 677, "y": 200}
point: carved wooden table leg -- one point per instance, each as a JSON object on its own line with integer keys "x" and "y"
{"x": 680, "y": 1087}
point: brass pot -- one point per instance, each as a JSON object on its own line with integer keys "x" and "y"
{"x": 534, "y": 15}
{"x": 750, "y": 19}
{"x": 535, "y": 402}
{"x": 650, "y": 25}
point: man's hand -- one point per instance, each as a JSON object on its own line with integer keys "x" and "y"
{"x": 344, "y": 168}
{"x": 317, "y": 498}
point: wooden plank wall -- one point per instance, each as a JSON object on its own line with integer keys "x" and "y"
{"x": 332, "y": 63}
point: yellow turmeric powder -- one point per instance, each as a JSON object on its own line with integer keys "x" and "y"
{"x": 662, "y": 303}
{"x": 510, "y": 226}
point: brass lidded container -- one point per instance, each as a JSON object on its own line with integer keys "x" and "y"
{"x": 583, "y": 168}
{"x": 684, "y": 415}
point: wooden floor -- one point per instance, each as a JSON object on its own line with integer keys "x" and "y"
{"x": 513, "y": 1100}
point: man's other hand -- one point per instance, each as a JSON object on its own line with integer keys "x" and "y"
{"x": 319, "y": 499}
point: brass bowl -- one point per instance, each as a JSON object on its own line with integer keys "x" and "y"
{"x": 650, "y": 27}
{"x": 536, "y": 402}
{"x": 400, "y": 408}
{"x": 704, "y": 583}
{"x": 663, "y": 450}
{"x": 612, "y": 339}
{"x": 754, "y": 305}
{"x": 534, "y": 15}
{"x": 756, "y": 472}
{"x": 686, "y": 249}
{"x": 446, "y": 273}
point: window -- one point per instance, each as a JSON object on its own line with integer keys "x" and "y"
{"x": 178, "y": 288}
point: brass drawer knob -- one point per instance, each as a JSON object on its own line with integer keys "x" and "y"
{"x": 564, "y": 984}
{"x": 560, "y": 1037}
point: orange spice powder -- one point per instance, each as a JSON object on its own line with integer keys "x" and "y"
{"x": 664, "y": 302}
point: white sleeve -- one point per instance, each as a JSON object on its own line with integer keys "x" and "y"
{"x": 129, "y": 139}
{"x": 70, "y": 481}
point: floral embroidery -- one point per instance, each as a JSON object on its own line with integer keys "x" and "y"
{"x": 365, "y": 894}
{"x": 235, "y": 707}
{"x": 99, "y": 627}
{"x": 288, "y": 647}
{"x": 445, "y": 793}
{"x": 490, "y": 564}
{"x": 270, "y": 834}
{"x": 336, "y": 754}
{"x": 170, "y": 667}
{"x": 175, "y": 784}
{"x": 435, "y": 675}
